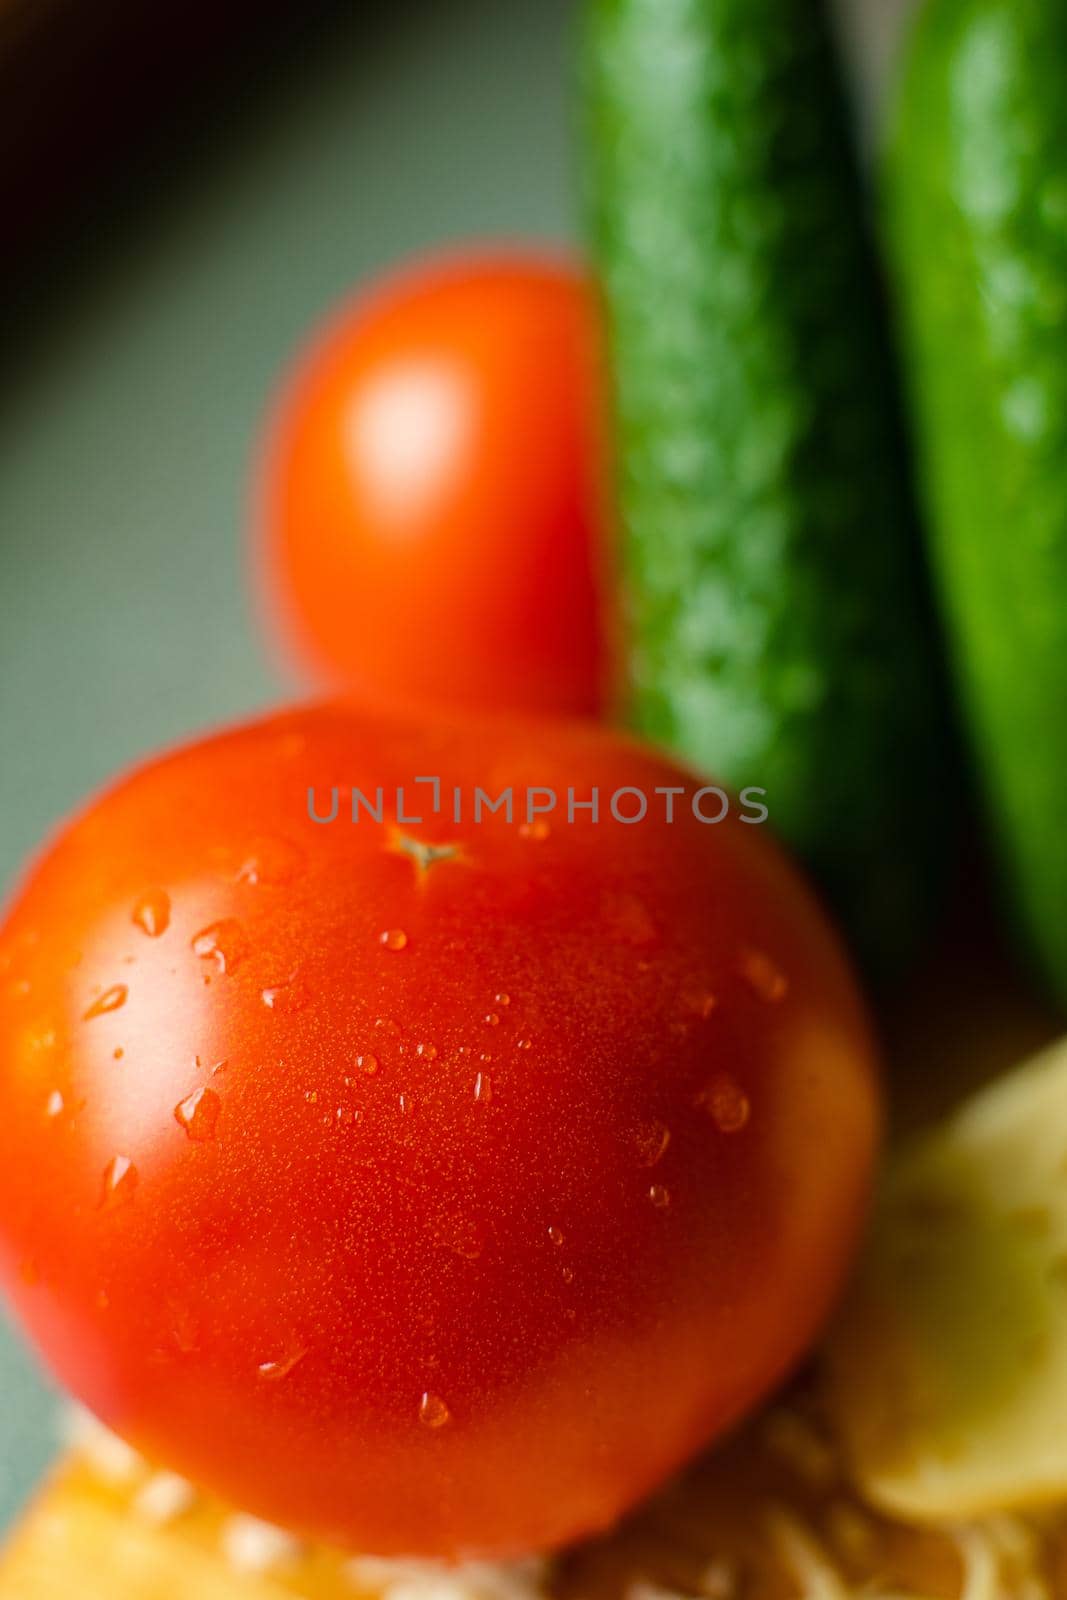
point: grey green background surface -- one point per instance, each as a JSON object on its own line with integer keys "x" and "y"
{"x": 130, "y": 400}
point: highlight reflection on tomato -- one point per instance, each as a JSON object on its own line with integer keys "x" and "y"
{"x": 427, "y": 505}
{"x": 434, "y": 1187}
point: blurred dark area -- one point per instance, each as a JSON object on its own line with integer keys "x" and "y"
{"x": 102, "y": 100}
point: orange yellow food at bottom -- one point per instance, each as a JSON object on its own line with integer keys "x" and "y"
{"x": 771, "y": 1517}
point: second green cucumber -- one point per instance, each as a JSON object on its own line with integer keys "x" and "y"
{"x": 977, "y": 192}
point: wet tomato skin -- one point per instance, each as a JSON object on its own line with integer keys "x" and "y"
{"x": 427, "y": 509}
{"x": 433, "y": 1201}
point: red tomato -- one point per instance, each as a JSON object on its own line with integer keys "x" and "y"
{"x": 434, "y": 1187}
{"x": 427, "y": 510}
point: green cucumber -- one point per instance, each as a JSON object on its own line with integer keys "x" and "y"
{"x": 976, "y": 202}
{"x": 777, "y": 623}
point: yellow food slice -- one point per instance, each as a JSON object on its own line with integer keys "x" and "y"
{"x": 768, "y": 1518}
{"x": 948, "y": 1369}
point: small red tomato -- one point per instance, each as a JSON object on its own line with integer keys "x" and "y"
{"x": 433, "y": 1186}
{"x": 427, "y": 510}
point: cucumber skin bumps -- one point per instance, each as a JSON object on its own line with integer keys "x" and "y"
{"x": 776, "y": 618}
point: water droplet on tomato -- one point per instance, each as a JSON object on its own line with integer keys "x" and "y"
{"x": 660, "y": 1197}
{"x": 286, "y": 998}
{"x": 280, "y": 1367}
{"x": 483, "y": 1088}
{"x": 346, "y": 1116}
{"x": 393, "y": 939}
{"x": 152, "y": 913}
{"x": 492, "y": 1020}
{"x": 651, "y": 1140}
{"x": 367, "y": 1063}
{"x": 463, "y": 1236}
{"x": 567, "y": 1274}
{"x": 727, "y": 1103}
{"x": 198, "y": 1114}
{"x": 54, "y": 1104}
{"x": 433, "y": 1412}
{"x": 428, "y": 1052}
{"x": 111, "y": 1000}
{"x": 523, "y": 1044}
{"x": 271, "y": 861}
{"x": 224, "y": 943}
{"x": 763, "y": 977}
{"x": 699, "y": 1002}
{"x": 555, "y": 1235}
{"x": 502, "y": 999}
{"x": 184, "y": 1330}
{"x": 387, "y": 1027}
{"x": 119, "y": 1182}
{"x": 406, "y": 1102}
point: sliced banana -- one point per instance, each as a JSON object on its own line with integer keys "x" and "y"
{"x": 948, "y": 1367}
